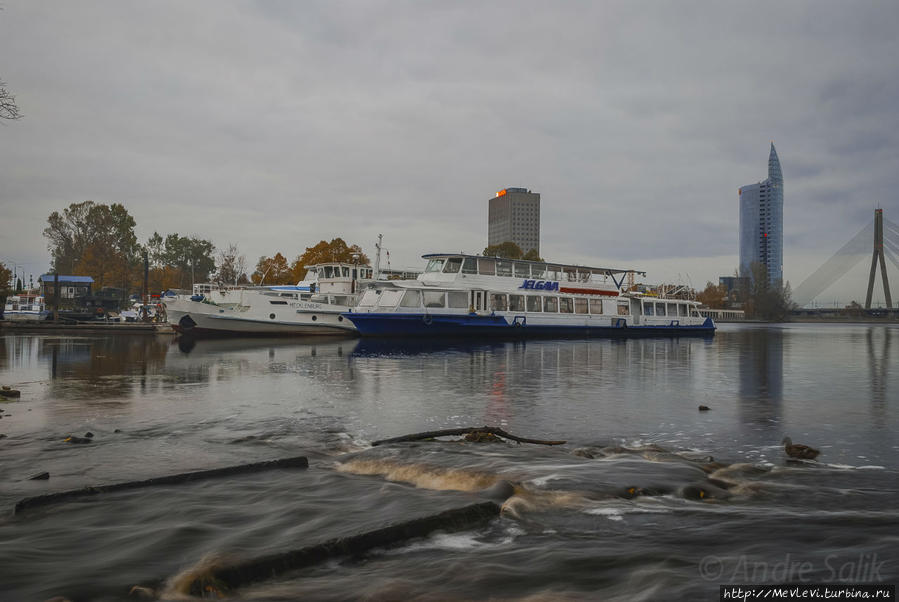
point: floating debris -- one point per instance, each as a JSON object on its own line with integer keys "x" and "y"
{"x": 480, "y": 430}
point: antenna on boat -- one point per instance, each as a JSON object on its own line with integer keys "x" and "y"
{"x": 378, "y": 257}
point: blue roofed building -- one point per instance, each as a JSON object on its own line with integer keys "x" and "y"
{"x": 70, "y": 287}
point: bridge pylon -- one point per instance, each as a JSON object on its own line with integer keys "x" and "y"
{"x": 878, "y": 256}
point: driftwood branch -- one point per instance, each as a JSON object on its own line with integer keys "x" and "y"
{"x": 187, "y": 477}
{"x": 464, "y": 431}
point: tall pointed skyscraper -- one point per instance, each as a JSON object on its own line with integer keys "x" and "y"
{"x": 761, "y": 222}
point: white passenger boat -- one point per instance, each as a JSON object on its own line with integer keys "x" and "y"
{"x": 470, "y": 295}
{"x": 312, "y": 306}
{"x": 25, "y": 307}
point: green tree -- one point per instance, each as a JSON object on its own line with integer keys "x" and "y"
{"x": 5, "y": 278}
{"x": 273, "y": 270}
{"x": 508, "y": 250}
{"x": 191, "y": 258}
{"x": 532, "y": 255}
{"x": 336, "y": 250}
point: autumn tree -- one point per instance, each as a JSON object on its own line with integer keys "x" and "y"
{"x": 232, "y": 266}
{"x": 272, "y": 270}
{"x": 323, "y": 252}
{"x": 762, "y": 299}
{"x": 96, "y": 240}
{"x": 714, "y": 296}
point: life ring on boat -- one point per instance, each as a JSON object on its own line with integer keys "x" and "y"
{"x": 427, "y": 319}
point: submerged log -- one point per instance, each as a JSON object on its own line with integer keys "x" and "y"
{"x": 464, "y": 431}
{"x": 63, "y": 496}
{"x": 268, "y": 567}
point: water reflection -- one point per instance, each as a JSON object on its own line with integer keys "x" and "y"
{"x": 878, "y": 346}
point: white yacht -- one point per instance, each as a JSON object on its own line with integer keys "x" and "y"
{"x": 471, "y": 295}
{"x": 312, "y": 306}
{"x": 25, "y": 307}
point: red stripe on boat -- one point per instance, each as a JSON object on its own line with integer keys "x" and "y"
{"x": 588, "y": 291}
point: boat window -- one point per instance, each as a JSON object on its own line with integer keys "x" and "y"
{"x": 389, "y": 298}
{"x": 522, "y": 269}
{"x": 470, "y": 266}
{"x": 551, "y": 304}
{"x": 457, "y": 299}
{"x": 434, "y": 298}
{"x": 647, "y": 309}
{"x": 503, "y": 267}
{"x": 580, "y": 306}
{"x": 623, "y": 308}
{"x": 534, "y": 304}
{"x": 538, "y": 271}
{"x": 346, "y": 272}
{"x": 452, "y": 265}
{"x": 571, "y": 274}
{"x": 369, "y": 299}
{"x": 341, "y": 300}
{"x": 682, "y": 310}
{"x": 566, "y": 305}
{"x": 487, "y": 267}
{"x": 498, "y": 302}
{"x": 583, "y": 276}
{"x": 411, "y": 299}
{"x": 672, "y": 309}
{"x": 516, "y": 302}
{"x": 553, "y": 272}
{"x": 435, "y": 265}
{"x": 595, "y": 306}
{"x": 660, "y": 309}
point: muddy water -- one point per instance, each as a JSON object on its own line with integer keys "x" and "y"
{"x": 649, "y": 499}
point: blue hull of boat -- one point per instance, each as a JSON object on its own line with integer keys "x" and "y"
{"x": 472, "y": 325}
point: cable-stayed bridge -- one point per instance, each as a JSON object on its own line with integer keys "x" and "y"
{"x": 884, "y": 234}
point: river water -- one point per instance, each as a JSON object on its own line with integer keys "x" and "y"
{"x": 648, "y": 499}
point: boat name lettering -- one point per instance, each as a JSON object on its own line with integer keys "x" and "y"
{"x": 540, "y": 285}
{"x": 306, "y": 305}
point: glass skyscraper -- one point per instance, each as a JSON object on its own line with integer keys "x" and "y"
{"x": 761, "y": 222}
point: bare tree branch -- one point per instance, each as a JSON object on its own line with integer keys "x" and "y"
{"x": 464, "y": 431}
{"x": 8, "y": 107}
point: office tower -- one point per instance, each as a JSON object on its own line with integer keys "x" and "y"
{"x": 514, "y": 215}
{"x": 761, "y": 222}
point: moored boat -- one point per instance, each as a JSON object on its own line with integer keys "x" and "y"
{"x": 313, "y": 306}
{"x": 471, "y": 295}
{"x": 25, "y": 306}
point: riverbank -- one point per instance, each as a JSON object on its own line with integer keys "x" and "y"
{"x": 85, "y": 327}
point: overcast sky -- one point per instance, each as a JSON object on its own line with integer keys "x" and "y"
{"x": 274, "y": 125}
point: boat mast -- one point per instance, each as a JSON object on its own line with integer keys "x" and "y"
{"x": 377, "y": 257}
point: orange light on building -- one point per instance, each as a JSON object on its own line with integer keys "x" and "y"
{"x": 501, "y": 192}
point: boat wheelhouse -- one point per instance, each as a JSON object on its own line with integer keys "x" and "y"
{"x": 312, "y": 306}
{"x": 461, "y": 295}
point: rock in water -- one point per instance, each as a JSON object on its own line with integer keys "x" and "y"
{"x": 71, "y": 439}
{"x": 41, "y": 476}
{"x": 704, "y": 408}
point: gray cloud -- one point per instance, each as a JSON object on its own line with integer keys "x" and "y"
{"x": 277, "y": 124}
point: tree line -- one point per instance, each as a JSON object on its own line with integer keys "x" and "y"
{"x": 753, "y": 293}
{"x": 98, "y": 240}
